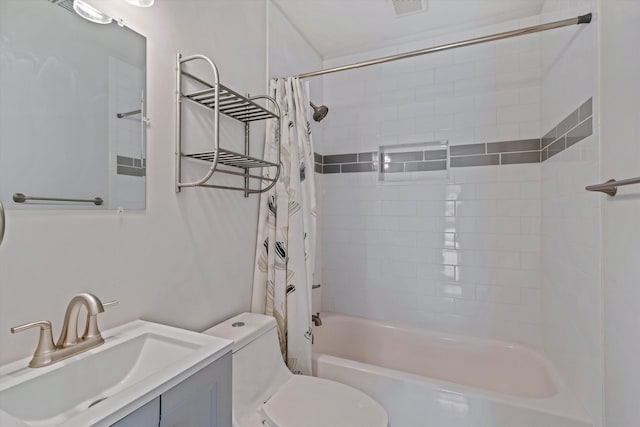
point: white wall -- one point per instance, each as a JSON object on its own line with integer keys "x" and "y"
{"x": 571, "y": 235}
{"x": 620, "y": 115}
{"x": 571, "y": 238}
{"x": 188, "y": 259}
{"x": 461, "y": 254}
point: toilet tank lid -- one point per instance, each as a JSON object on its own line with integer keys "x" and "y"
{"x": 242, "y": 329}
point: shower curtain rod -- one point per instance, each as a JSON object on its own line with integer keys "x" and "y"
{"x": 583, "y": 19}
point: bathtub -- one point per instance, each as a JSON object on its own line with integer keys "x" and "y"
{"x": 431, "y": 379}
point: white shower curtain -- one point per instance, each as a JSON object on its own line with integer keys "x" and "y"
{"x": 285, "y": 250}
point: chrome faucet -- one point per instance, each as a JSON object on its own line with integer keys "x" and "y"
{"x": 69, "y": 343}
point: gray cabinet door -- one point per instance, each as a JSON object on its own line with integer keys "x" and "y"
{"x": 202, "y": 400}
{"x": 146, "y": 416}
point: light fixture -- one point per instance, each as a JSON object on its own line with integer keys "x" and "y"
{"x": 141, "y": 3}
{"x": 90, "y": 13}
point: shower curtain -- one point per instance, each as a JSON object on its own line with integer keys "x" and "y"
{"x": 285, "y": 249}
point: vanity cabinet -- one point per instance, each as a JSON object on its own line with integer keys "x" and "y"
{"x": 202, "y": 400}
{"x": 147, "y": 416}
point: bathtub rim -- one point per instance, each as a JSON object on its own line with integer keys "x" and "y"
{"x": 563, "y": 403}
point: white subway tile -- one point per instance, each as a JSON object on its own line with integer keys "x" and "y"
{"x": 456, "y": 290}
{"x": 475, "y": 85}
{"x": 477, "y": 208}
{"x": 415, "y": 109}
{"x": 478, "y": 174}
{"x": 523, "y": 243}
{"x": 476, "y": 118}
{"x": 456, "y": 104}
{"x": 436, "y": 122}
{"x": 436, "y": 208}
{"x": 379, "y": 222}
{"x": 530, "y": 190}
{"x": 501, "y": 259}
{"x": 476, "y": 241}
{"x": 430, "y": 239}
{"x": 498, "y": 224}
{"x": 434, "y": 60}
{"x": 399, "y": 208}
{"x": 493, "y": 66}
{"x": 530, "y": 94}
{"x": 473, "y": 53}
{"x": 530, "y": 130}
{"x": 435, "y": 91}
{"x": 458, "y": 135}
{"x": 502, "y": 294}
{"x": 436, "y": 272}
{"x": 518, "y": 113}
{"x": 498, "y": 98}
{"x": 530, "y": 59}
{"x": 454, "y": 73}
{"x": 517, "y": 78}
{"x": 498, "y": 190}
{"x": 524, "y": 172}
{"x": 495, "y": 133}
{"x": 401, "y": 238}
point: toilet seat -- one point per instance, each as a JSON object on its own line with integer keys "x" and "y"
{"x": 316, "y": 402}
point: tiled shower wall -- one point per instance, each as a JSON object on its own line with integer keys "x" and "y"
{"x": 462, "y": 253}
{"x": 571, "y": 216}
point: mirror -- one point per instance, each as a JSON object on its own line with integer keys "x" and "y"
{"x": 72, "y": 109}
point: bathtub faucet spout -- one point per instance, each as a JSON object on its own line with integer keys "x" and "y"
{"x": 315, "y": 318}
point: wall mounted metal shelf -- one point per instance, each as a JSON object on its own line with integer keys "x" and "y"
{"x": 220, "y": 99}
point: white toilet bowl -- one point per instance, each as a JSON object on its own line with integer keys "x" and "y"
{"x": 266, "y": 393}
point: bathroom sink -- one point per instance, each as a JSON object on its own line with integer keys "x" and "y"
{"x": 138, "y": 362}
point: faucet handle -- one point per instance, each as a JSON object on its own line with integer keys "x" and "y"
{"x": 42, "y": 323}
{"x": 45, "y": 341}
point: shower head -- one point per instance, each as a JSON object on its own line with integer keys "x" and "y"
{"x": 320, "y": 112}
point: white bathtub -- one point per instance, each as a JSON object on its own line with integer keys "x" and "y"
{"x": 431, "y": 379}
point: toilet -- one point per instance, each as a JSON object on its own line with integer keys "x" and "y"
{"x": 266, "y": 393}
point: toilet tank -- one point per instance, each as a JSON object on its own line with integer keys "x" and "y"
{"x": 258, "y": 367}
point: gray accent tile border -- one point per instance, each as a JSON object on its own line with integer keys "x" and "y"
{"x": 511, "y": 146}
{"x": 439, "y": 165}
{"x": 465, "y": 150}
{"x": 517, "y": 158}
{"x": 481, "y": 160}
{"x": 358, "y": 167}
{"x": 408, "y": 156}
{"x": 340, "y": 158}
{"x": 367, "y": 157}
{"x": 331, "y": 169}
{"x": 577, "y": 126}
{"x": 435, "y": 155}
{"x": 131, "y": 166}
{"x": 580, "y": 132}
{"x": 131, "y": 171}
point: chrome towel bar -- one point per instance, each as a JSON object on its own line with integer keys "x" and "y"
{"x": 128, "y": 113}
{"x": 611, "y": 187}
{"x": 21, "y": 198}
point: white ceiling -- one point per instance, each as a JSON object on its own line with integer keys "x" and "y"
{"x": 340, "y": 27}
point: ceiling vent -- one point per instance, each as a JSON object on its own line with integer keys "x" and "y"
{"x": 407, "y": 7}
